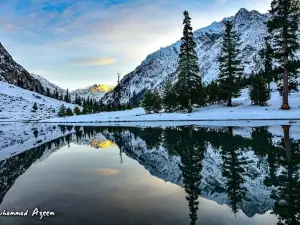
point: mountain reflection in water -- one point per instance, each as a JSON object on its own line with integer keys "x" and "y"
{"x": 251, "y": 170}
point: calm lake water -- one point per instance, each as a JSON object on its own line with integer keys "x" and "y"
{"x": 140, "y": 176}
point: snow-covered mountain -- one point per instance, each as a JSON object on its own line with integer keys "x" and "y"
{"x": 151, "y": 73}
{"x": 13, "y": 73}
{"x": 96, "y": 91}
{"x": 48, "y": 85}
{"x": 16, "y": 104}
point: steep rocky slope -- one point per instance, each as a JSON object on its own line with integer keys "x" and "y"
{"x": 47, "y": 84}
{"x": 13, "y": 73}
{"x": 153, "y": 71}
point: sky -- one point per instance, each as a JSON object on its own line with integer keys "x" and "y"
{"x": 78, "y": 43}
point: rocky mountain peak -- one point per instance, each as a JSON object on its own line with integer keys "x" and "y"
{"x": 11, "y": 72}
{"x": 162, "y": 64}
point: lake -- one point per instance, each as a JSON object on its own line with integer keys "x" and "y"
{"x": 142, "y": 175}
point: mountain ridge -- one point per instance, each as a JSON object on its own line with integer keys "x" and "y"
{"x": 161, "y": 64}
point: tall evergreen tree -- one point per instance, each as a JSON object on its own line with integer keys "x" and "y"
{"x": 230, "y": 65}
{"x": 189, "y": 82}
{"x": 283, "y": 26}
{"x": 67, "y": 97}
{"x": 48, "y": 93}
{"x": 259, "y": 90}
{"x": 56, "y": 93}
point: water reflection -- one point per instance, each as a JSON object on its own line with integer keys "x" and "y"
{"x": 250, "y": 170}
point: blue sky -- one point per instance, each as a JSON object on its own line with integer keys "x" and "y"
{"x": 79, "y": 43}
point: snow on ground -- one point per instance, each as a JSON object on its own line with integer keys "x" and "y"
{"x": 242, "y": 111}
{"x": 16, "y": 104}
{"x": 18, "y": 137}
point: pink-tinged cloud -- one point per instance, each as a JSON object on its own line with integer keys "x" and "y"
{"x": 93, "y": 61}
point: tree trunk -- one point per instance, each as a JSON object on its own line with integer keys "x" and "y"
{"x": 285, "y": 94}
{"x": 190, "y": 105}
{"x": 229, "y": 101}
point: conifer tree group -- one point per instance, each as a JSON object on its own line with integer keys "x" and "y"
{"x": 280, "y": 46}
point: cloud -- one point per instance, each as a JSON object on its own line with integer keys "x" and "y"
{"x": 65, "y": 36}
{"x": 93, "y": 61}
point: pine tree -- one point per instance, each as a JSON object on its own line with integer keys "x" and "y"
{"x": 77, "y": 110}
{"x": 48, "y": 93}
{"x": 283, "y": 25}
{"x": 84, "y": 110}
{"x": 152, "y": 102}
{"x": 67, "y": 97}
{"x": 212, "y": 91}
{"x": 169, "y": 97}
{"x": 147, "y": 101}
{"x": 156, "y": 102}
{"x": 189, "y": 81}
{"x": 76, "y": 99}
{"x": 62, "y": 111}
{"x": 56, "y": 93}
{"x": 69, "y": 112}
{"x": 34, "y": 107}
{"x": 259, "y": 90}
{"x": 229, "y": 65}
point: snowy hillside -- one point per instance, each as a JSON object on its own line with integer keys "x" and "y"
{"x": 152, "y": 72}
{"x": 16, "y": 104}
{"x": 95, "y": 91}
{"x": 47, "y": 84}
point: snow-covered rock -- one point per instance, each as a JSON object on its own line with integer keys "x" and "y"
{"x": 48, "y": 85}
{"x": 153, "y": 71}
